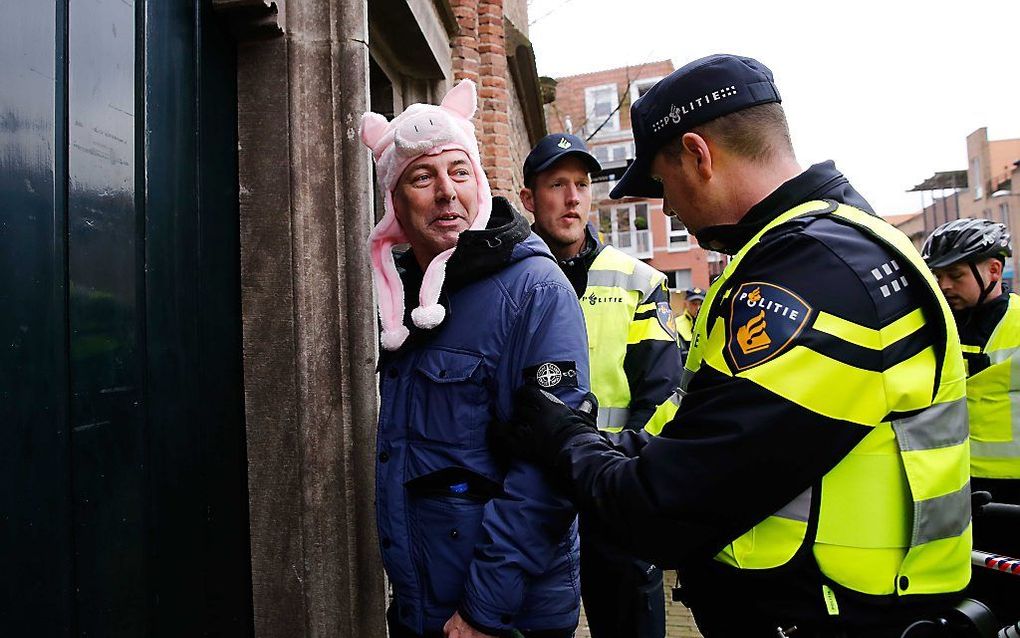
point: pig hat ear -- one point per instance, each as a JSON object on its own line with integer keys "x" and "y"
{"x": 373, "y": 127}
{"x": 462, "y": 100}
{"x": 422, "y": 129}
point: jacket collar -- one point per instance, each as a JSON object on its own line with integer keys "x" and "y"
{"x": 821, "y": 181}
{"x": 479, "y": 254}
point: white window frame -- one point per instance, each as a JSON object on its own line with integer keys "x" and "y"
{"x": 626, "y": 147}
{"x": 592, "y": 122}
{"x": 616, "y": 152}
{"x": 674, "y": 275}
{"x": 612, "y": 237}
{"x": 979, "y": 190}
{"x": 635, "y": 86}
{"x": 672, "y": 234}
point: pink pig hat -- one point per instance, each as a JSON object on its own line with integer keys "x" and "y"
{"x": 422, "y": 129}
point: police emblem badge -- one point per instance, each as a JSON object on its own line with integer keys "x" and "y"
{"x": 664, "y": 313}
{"x": 764, "y": 321}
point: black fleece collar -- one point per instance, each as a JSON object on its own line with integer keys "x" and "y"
{"x": 479, "y": 253}
{"x": 817, "y": 182}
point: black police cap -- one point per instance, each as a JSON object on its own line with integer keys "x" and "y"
{"x": 694, "y": 294}
{"x": 552, "y": 148}
{"x": 692, "y": 95}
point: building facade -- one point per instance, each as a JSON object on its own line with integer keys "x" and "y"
{"x": 989, "y": 188}
{"x": 911, "y": 225}
{"x": 596, "y": 107}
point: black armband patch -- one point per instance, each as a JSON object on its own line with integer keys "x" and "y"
{"x": 552, "y": 374}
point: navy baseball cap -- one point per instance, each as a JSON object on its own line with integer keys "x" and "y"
{"x": 694, "y": 294}
{"x": 692, "y": 95}
{"x": 552, "y": 148}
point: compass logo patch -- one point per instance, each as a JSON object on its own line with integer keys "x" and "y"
{"x": 764, "y": 320}
{"x": 552, "y": 374}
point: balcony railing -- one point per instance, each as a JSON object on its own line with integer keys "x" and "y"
{"x": 636, "y": 243}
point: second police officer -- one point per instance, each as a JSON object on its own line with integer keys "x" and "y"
{"x": 693, "y": 299}
{"x": 967, "y": 257}
{"x": 816, "y": 473}
{"x": 634, "y": 358}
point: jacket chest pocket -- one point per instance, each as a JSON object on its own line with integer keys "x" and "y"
{"x": 450, "y": 402}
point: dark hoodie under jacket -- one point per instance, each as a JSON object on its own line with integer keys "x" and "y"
{"x": 735, "y": 452}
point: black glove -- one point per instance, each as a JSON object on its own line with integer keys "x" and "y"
{"x": 541, "y": 425}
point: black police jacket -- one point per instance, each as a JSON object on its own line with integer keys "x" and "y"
{"x": 736, "y": 453}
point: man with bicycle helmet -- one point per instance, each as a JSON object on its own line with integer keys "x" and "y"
{"x": 968, "y": 257}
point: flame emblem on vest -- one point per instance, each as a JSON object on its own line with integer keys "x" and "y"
{"x": 751, "y": 337}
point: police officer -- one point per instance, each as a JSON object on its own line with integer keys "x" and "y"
{"x": 693, "y": 298}
{"x": 635, "y": 364}
{"x": 816, "y": 473}
{"x": 967, "y": 257}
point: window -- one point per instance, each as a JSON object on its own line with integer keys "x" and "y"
{"x": 1004, "y": 213}
{"x": 626, "y": 228}
{"x": 678, "y": 237}
{"x": 612, "y": 153}
{"x": 609, "y": 155}
{"x": 601, "y": 190}
{"x": 600, "y": 105}
{"x": 640, "y": 87}
{"x": 975, "y": 177}
{"x": 621, "y": 152}
{"x": 678, "y": 279}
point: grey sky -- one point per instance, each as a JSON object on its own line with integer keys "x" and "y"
{"x": 889, "y": 90}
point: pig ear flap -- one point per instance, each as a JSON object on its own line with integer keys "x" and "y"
{"x": 373, "y": 127}
{"x": 462, "y": 99}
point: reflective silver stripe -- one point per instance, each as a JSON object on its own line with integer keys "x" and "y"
{"x": 1004, "y": 449}
{"x": 998, "y": 356}
{"x": 997, "y": 449}
{"x": 612, "y": 417}
{"x": 945, "y": 516}
{"x": 685, "y": 380}
{"x": 941, "y": 425}
{"x": 675, "y": 398}
{"x": 617, "y": 279}
{"x": 799, "y": 509}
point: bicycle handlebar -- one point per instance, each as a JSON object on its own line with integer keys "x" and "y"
{"x": 995, "y": 562}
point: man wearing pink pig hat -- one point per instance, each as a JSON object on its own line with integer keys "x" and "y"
{"x": 474, "y": 545}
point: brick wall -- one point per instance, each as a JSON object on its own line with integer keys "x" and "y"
{"x": 679, "y": 622}
{"x": 479, "y": 54}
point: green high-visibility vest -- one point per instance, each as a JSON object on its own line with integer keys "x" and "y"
{"x": 993, "y": 400}
{"x": 685, "y": 327}
{"x": 617, "y": 284}
{"x": 894, "y": 514}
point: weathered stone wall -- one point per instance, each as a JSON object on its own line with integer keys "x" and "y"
{"x": 309, "y": 324}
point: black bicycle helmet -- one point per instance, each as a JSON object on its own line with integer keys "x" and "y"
{"x": 966, "y": 240}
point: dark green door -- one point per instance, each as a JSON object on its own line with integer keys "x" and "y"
{"x": 122, "y": 460}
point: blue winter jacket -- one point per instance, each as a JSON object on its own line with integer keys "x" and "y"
{"x": 462, "y": 529}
